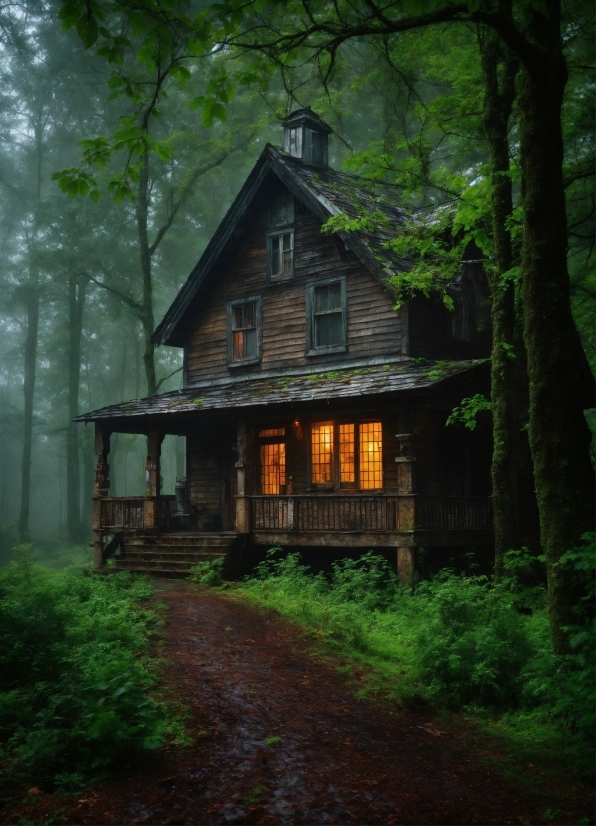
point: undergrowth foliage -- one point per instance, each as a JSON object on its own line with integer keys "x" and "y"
{"x": 74, "y": 678}
{"x": 460, "y": 641}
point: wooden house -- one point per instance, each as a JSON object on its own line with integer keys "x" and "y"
{"x": 314, "y": 412}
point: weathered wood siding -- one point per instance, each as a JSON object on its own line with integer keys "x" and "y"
{"x": 430, "y": 331}
{"x": 210, "y": 480}
{"x": 374, "y": 328}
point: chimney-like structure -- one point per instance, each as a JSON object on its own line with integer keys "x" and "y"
{"x": 306, "y": 137}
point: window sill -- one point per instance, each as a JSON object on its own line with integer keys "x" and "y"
{"x": 323, "y": 351}
{"x": 244, "y": 362}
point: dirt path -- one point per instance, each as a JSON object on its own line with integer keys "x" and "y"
{"x": 248, "y": 676}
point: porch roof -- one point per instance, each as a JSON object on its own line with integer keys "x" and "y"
{"x": 322, "y": 386}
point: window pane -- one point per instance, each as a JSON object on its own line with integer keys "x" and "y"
{"x": 250, "y": 344}
{"x": 273, "y": 467}
{"x": 347, "y": 463}
{"x": 328, "y": 298}
{"x": 238, "y": 317}
{"x": 371, "y": 456}
{"x": 287, "y": 241}
{"x": 238, "y": 346}
{"x": 275, "y": 255}
{"x": 249, "y": 314}
{"x": 321, "y": 436}
{"x": 287, "y": 262}
{"x": 273, "y": 431}
{"x": 328, "y": 329}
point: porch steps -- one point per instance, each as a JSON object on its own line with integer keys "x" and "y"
{"x": 173, "y": 554}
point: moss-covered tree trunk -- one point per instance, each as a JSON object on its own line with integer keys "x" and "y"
{"x": 500, "y": 69}
{"x": 558, "y": 434}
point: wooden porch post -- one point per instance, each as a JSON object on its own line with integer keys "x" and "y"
{"x": 406, "y": 564}
{"x": 102, "y": 488}
{"x": 242, "y": 521}
{"x": 152, "y": 478}
{"x": 406, "y": 554}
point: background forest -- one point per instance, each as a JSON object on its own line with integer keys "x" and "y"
{"x": 126, "y": 132}
{"x": 166, "y": 145}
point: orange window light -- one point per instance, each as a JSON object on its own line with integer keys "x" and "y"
{"x": 273, "y": 467}
{"x": 272, "y": 431}
{"x": 371, "y": 456}
{"x": 347, "y": 457}
{"x": 321, "y": 441}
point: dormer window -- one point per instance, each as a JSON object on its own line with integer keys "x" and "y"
{"x": 244, "y": 331}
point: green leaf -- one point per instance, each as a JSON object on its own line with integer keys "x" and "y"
{"x": 88, "y": 30}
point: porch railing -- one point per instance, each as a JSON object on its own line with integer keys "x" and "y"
{"x": 378, "y": 512}
{"x": 454, "y": 513}
{"x": 135, "y": 512}
{"x": 332, "y": 513}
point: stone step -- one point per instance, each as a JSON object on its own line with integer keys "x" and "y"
{"x": 183, "y": 540}
{"x": 165, "y": 555}
{"x": 154, "y": 564}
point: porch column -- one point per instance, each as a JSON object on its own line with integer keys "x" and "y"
{"x": 242, "y": 521}
{"x": 406, "y": 564}
{"x": 101, "y": 489}
{"x": 152, "y": 478}
{"x": 405, "y": 463}
{"x": 406, "y": 554}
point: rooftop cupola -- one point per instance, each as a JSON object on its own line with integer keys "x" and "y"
{"x": 306, "y": 137}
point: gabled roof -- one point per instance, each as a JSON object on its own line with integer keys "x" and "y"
{"x": 254, "y": 392}
{"x": 326, "y": 193}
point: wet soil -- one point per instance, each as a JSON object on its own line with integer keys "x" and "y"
{"x": 279, "y": 737}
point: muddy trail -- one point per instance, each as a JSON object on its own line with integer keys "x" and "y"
{"x": 280, "y": 738}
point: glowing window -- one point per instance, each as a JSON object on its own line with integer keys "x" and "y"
{"x": 347, "y": 455}
{"x": 371, "y": 455}
{"x": 272, "y": 431}
{"x": 321, "y": 465}
{"x": 359, "y": 451}
{"x": 273, "y": 468}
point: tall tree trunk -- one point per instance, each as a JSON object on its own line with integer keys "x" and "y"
{"x": 558, "y": 434}
{"x": 499, "y": 70}
{"x": 32, "y": 308}
{"x": 147, "y": 317}
{"x": 77, "y": 288}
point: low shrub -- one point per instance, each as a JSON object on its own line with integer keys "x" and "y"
{"x": 462, "y": 642}
{"x": 74, "y": 679}
{"x": 209, "y": 573}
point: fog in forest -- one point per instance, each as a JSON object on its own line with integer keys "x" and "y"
{"x": 85, "y": 280}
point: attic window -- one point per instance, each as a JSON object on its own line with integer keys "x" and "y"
{"x": 282, "y": 209}
{"x": 244, "y": 331}
{"x": 280, "y": 254}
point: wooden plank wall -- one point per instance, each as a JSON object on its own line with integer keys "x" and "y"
{"x": 430, "y": 333}
{"x": 209, "y": 459}
{"x": 374, "y": 328}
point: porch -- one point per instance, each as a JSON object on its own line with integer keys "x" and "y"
{"x": 149, "y": 532}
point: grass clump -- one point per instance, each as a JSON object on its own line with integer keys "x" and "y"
{"x": 462, "y": 642}
{"x": 75, "y": 680}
